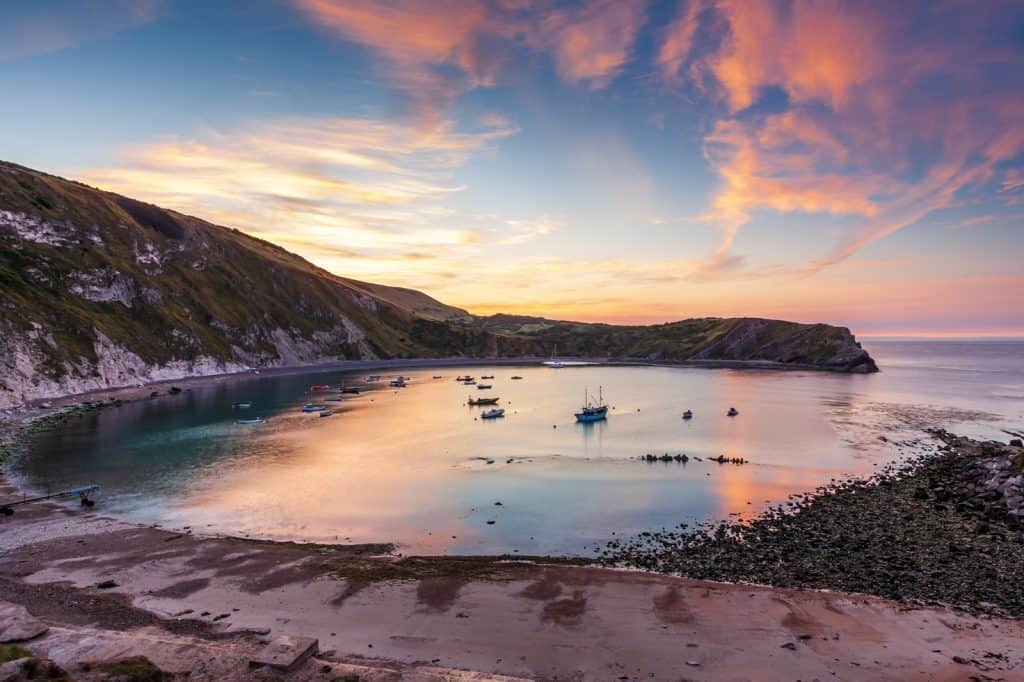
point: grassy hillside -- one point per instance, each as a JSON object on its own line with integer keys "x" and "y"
{"x": 102, "y": 288}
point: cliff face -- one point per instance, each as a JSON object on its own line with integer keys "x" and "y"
{"x": 99, "y": 290}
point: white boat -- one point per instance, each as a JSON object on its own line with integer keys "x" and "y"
{"x": 255, "y": 420}
{"x": 398, "y": 383}
{"x": 556, "y": 364}
{"x": 312, "y": 407}
{"x": 493, "y": 414}
{"x": 241, "y": 406}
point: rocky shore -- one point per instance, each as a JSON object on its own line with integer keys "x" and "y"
{"x": 942, "y": 528}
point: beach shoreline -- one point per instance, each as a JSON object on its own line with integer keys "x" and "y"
{"x": 428, "y": 617}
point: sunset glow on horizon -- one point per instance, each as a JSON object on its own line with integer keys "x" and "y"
{"x": 633, "y": 161}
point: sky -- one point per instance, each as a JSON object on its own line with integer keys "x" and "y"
{"x": 634, "y": 161}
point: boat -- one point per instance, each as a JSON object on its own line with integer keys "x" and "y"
{"x": 240, "y": 406}
{"x": 487, "y": 377}
{"x": 437, "y": 376}
{"x": 465, "y": 378}
{"x": 337, "y": 399}
{"x": 312, "y": 407}
{"x": 254, "y": 420}
{"x": 350, "y": 389}
{"x": 482, "y": 401}
{"x": 688, "y": 414}
{"x": 591, "y": 412}
{"x": 556, "y": 364}
{"x": 493, "y": 414}
{"x": 470, "y": 382}
{"x": 732, "y": 412}
{"x": 373, "y": 377}
{"x": 320, "y": 387}
{"x": 483, "y": 387}
{"x": 398, "y": 382}
{"x": 516, "y": 378}
{"x": 325, "y": 413}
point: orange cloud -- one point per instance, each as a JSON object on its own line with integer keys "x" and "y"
{"x": 438, "y": 50}
{"x": 677, "y": 42}
{"x": 591, "y": 43}
{"x": 858, "y": 133}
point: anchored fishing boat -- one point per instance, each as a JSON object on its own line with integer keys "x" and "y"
{"x": 482, "y": 401}
{"x": 592, "y": 412}
{"x": 493, "y": 414}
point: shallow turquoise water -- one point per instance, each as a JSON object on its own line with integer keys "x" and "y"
{"x": 417, "y": 466}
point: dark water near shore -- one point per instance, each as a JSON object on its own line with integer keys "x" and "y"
{"x": 416, "y": 466}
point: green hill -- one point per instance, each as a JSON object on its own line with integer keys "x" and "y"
{"x": 101, "y": 290}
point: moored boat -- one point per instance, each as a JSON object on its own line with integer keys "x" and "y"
{"x": 732, "y": 412}
{"x": 592, "y": 412}
{"x": 483, "y": 387}
{"x": 325, "y": 413}
{"x": 254, "y": 420}
{"x": 398, "y": 382}
{"x": 319, "y": 387}
{"x": 482, "y": 401}
{"x": 312, "y": 407}
{"x": 487, "y": 377}
{"x": 516, "y": 377}
{"x": 241, "y": 406}
{"x": 688, "y": 414}
{"x": 350, "y": 389}
{"x": 493, "y": 414}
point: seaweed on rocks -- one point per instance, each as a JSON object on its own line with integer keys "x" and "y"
{"x": 944, "y": 527}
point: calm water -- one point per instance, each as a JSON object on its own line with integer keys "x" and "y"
{"x": 417, "y": 466}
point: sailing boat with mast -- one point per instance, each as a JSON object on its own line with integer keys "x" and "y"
{"x": 557, "y": 364}
{"x": 592, "y": 412}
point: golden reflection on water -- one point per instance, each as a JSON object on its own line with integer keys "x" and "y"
{"x": 418, "y": 465}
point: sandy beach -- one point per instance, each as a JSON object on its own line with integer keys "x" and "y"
{"x": 109, "y": 589}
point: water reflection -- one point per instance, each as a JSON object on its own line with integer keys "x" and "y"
{"x": 417, "y": 465}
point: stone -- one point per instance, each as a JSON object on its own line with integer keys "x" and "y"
{"x": 286, "y": 652}
{"x": 17, "y": 624}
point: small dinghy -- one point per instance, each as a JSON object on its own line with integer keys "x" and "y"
{"x": 732, "y": 412}
{"x": 516, "y": 378}
{"x": 312, "y": 408}
{"x": 483, "y": 387}
{"x": 688, "y": 414}
{"x": 437, "y": 376}
{"x": 493, "y": 414}
{"x": 241, "y": 406}
{"x": 255, "y": 420}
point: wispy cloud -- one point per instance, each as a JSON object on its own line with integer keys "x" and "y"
{"x": 860, "y": 132}
{"x": 39, "y": 28}
{"x": 435, "y": 51}
{"x": 315, "y": 181}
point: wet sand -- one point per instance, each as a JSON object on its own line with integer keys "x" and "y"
{"x": 206, "y": 604}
